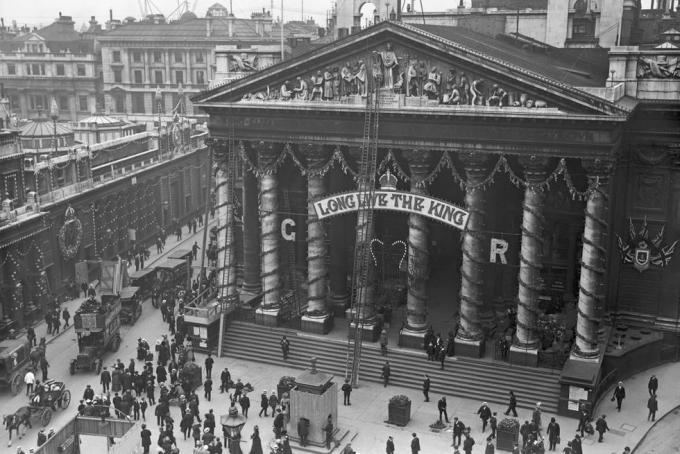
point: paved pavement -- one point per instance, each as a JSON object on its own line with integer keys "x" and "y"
{"x": 365, "y": 418}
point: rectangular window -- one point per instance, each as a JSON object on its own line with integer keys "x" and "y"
{"x": 115, "y": 56}
{"x": 138, "y": 103}
{"x": 200, "y": 77}
{"x": 80, "y": 70}
{"x": 11, "y": 69}
{"x": 119, "y": 102}
{"x": 82, "y": 103}
{"x": 137, "y": 57}
{"x": 117, "y": 76}
{"x": 36, "y": 69}
{"x": 138, "y": 76}
{"x": 63, "y": 103}
{"x": 158, "y": 77}
{"x": 199, "y": 57}
{"x": 60, "y": 69}
{"x": 14, "y": 102}
{"x": 179, "y": 77}
{"x": 36, "y": 102}
{"x": 157, "y": 56}
{"x": 179, "y": 57}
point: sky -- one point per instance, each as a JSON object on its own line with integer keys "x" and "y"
{"x": 43, "y": 12}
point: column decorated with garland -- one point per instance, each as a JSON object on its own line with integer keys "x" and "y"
{"x": 251, "y": 232}
{"x": 418, "y": 256}
{"x": 525, "y": 345}
{"x": 317, "y": 316}
{"x": 469, "y": 337}
{"x": 267, "y": 154}
{"x": 593, "y": 258}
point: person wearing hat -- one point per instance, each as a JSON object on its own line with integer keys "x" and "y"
{"x": 42, "y": 437}
{"x": 484, "y": 413}
{"x": 273, "y": 402}
{"x": 601, "y": 427}
{"x": 415, "y": 444}
{"x": 264, "y": 404}
{"x": 619, "y": 395}
{"x": 576, "y": 446}
{"x": 389, "y": 445}
{"x": 383, "y": 342}
{"x": 346, "y": 391}
{"x": 278, "y": 423}
{"x": 256, "y": 445}
{"x": 536, "y": 418}
{"x": 653, "y": 385}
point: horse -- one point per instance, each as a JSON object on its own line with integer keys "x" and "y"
{"x": 14, "y": 422}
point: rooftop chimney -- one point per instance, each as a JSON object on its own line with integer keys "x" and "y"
{"x": 208, "y": 27}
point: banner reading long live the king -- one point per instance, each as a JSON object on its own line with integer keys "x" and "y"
{"x": 430, "y": 207}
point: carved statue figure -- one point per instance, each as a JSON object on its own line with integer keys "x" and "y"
{"x": 453, "y": 96}
{"x": 286, "y": 93}
{"x": 431, "y": 87}
{"x": 243, "y": 64}
{"x": 360, "y": 78}
{"x": 464, "y": 89}
{"x": 389, "y": 64}
{"x": 347, "y": 82}
{"x": 499, "y": 97}
{"x": 399, "y": 83}
{"x": 336, "y": 83}
{"x": 659, "y": 67}
{"x": 412, "y": 80}
{"x": 317, "y": 86}
{"x": 301, "y": 91}
{"x": 477, "y": 95}
{"x": 327, "y": 85}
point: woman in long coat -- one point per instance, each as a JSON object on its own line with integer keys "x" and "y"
{"x": 256, "y": 447}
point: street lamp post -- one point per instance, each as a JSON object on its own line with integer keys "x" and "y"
{"x": 231, "y": 428}
{"x": 158, "y": 97}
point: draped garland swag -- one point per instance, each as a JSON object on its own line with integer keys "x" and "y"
{"x": 445, "y": 162}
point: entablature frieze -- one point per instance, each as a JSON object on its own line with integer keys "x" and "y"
{"x": 569, "y": 138}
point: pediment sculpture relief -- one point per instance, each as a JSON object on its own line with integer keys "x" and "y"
{"x": 401, "y": 72}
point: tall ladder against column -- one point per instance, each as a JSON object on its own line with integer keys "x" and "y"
{"x": 362, "y": 251}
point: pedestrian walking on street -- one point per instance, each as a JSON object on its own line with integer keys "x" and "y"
{"x": 273, "y": 402}
{"x": 653, "y": 385}
{"x": 426, "y": 390}
{"x": 386, "y": 373}
{"x": 209, "y": 361}
{"x": 415, "y": 444}
{"x": 143, "y": 405}
{"x": 244, "y": 402}
{"x": 601, "y": 426}
{"x": 146, "y": 438}
{"x": 207, "y": 389}
{"x": 493, "y": 424}
{"x": 389, "y": 445}
{"x": 328, "y": 431}
{"x": 225, "y": 378}
{"x": 66, "y": 316}
{"x": 56, "y": 323}
{"x": 441, "y": 406}
{"x": 576, "y": 445}
{"x": 383, "y": 342}
{"x": 194, "y": 249}
{"x": 525, "y": 431}
{"x": 264, "y": 404}
{"x": 583, "y": 418}
{"x": 303, "y": 430}
{"x": 278, "y": 423}
{"x": 43, "y": 368}
{"x": 48, "y": 321}
{"x": 468, "y": 443}
{"x": 256, "y": 445}
{"x": 553, "y": 432}
{"x": 30, "y": 335}
{"x": 653, "y": 406}
{"x": 458, "y": 431}
{"x": 619, "y": 395}
{"x": 536, "y": 418}
{"x": 29, "y": 380}
{"x": 484, "y": 413}
{"x": 285, "y": 347}
{"x": 512, "y": 405}
{"x": 346, "y": 391}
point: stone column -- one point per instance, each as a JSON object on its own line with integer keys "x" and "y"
{"x": 268, "y": 312}
{"x": 226, "y": 260}
{"x": 412, "y": 335}
{"x": 317, "y": 319}
{"x": 251, "y": 234}
{"x": 593, "y": 258}
{"x": 524, "y": 349}
{"x": 364, "y": 310}
{"x": 469, "y": 337}
{"x": 337, "y": 232}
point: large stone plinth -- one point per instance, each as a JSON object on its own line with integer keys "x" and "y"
{"x": 322, "y": 324}
{"x": 412, "y": 339}
{"x": 469, "y": 348}
{"x": 314, "y": 397}
{"x": 370, "y": 330}
{"x": 267, "y": 317}
{"x": 523, "y": 356}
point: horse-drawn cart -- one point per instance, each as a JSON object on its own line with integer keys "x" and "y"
{"x": 51, "y": 394}
{"x": 15, "y": 360}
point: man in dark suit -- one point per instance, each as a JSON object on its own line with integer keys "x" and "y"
{"x": 426, "y": 389}
{"x": 619, "y": 395}
{"x": 441, "y": 406}
{"x": 653, "y": 385}
{"x": 484, "y": 413}
{"x": 653, "y": 406}
{"x": 415, "y": 444}
{"x": 553, "y": 432}
{"x": 386, "y": 373}
{"x": 458, "y": 430}
{"x": 346, "y": 391}
{"x": 512, "y": 405}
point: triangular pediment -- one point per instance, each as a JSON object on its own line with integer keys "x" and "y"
{"x": 416, "y": 68}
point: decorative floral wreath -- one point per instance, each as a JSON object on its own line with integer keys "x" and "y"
{"x": 70, "y": 235}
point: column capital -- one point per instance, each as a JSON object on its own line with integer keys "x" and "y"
{"x": 315, "y": 154}
{"x": 267, "y": 152}
{"x": 419, "y": 162}
{"x": 476, "y": 166}
{"x": 598, "y": 168}
{"x": 220, "y": 149}
{"x": 535, "y": 167}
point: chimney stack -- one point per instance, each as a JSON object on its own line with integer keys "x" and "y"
{"x": 208, "y": 27}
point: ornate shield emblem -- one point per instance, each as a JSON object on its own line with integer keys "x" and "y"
{"x": 641, "y": 262}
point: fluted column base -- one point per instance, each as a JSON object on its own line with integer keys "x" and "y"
{"x": 468, "y": 347}
{"x": 318, "y": 324}
{"x": 338, "y": 303}
{"x": 411, "y": 338}
{"x": 523, "y": 356}
{"x": 252, "y": 287}
{"x": 268, "y": 317}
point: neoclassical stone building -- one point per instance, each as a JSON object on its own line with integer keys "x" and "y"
{"x": 531, "y": 147}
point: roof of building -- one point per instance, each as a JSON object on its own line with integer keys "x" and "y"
{"x": 44, "y": 127}
{"x": 102, "y": 120}
{"x": 561, "y": 65}
{"x": 59, "y": 36}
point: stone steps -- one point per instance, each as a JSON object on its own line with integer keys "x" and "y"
{"x": 476, "y": 379}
